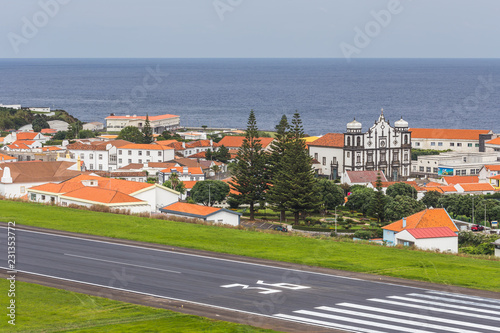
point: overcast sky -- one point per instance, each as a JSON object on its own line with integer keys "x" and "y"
{"x": 250, "y": 28}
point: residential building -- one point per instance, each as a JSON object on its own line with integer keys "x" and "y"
{"x": 7, "y": 159}
{"x": 493, "y": 146}
{"x": 133, "y": 176}
{"x": 193, "y": 135}
{"x": 89, "y": 190}
{"x": 39, "y": 109}
{"x": 11, "y": 106}
{"x": 184, "y": 174}
{"x": 152, "y": 168}
{"x": 165, "y": 122}
{"x": 435, "y": 239}
{"x": 143, "y": 153}
{"x": 459, "y": 140}
{"x": 490, "y": 174}
{"x": 428, "y": 218}
{"x": 205, "y": 213}
{"x": 17, "y": 177}
{"x": 328, "y": 152}
{"x": 452, "y": 163}
{"x": 24, "y": 136}
{"x": 93, "y": 126}
{"x": 382, "y": 147}
{"x": 235, "y": 142}
{"x": 97, "y": 155}
{"x": 475, "y": 188}
{"x": 363, "y": 178}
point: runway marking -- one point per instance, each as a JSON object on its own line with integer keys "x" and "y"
{"x": 414, "y": 315}
{"x": 393, "y": 319}
{"x": 122, "y": 263}
{"x": 454, "y": 300}
{"x": 443, "y": 304}
{"x": 362, "y": 322}
{"x": 429, "y": 308}
{"x": 245, "y": 286}
{"x": 477, "y": 298}
{"x": 326, "y": 323}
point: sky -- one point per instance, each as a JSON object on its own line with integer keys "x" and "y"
{"x": 249, "y": 29}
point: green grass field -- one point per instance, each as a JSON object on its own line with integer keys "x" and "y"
{"x": 439, "y": 268}
{"x": 44, "y": 309}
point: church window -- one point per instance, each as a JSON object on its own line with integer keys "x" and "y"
{"x": 406, "y": 139}
{"x": 348, "y": 141}
{"x": 358, "y": 143}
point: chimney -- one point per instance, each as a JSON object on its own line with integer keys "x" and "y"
{"x": 184, "y": 145}
{"x": 211, "y": 143}
{"x": 6, "y": 178}
{"x": 185, "y": 170}
{"x": 404, "y": 222}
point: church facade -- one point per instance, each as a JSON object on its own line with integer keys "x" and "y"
{"x": 382, "y": 147}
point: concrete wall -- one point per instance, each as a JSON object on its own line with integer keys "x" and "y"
{"x": 225, "y": 218}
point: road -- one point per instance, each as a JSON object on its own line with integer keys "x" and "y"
{"x": 311, "y": 298}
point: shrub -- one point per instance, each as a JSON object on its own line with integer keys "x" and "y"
{"x": 363, "y": 234}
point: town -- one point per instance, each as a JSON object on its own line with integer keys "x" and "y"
{"x": 389, "y": 184}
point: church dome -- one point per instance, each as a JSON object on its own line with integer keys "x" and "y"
{"x": 401, "y": 123}
{"x": 354, "y": 125}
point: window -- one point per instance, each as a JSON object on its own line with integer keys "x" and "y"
{"x": 348, "y": 154}
{"x": 324, "y": 160}
{"x": 382, "y": 156}
{"x": 129, "y": 160}
{"x": 417, "y": 144}
{"x": 348, "y": 140}
{"x": 457, "y": 172}
{"x": 43, "y": 197}
{"x": 433, "y": 143}
{"x": 100, "y": 156}
{"x": 428, "y": 169}
{"x": 395, "y": 156}
{"x": 421, "y": 169}
{"x": 469, "y": 145}
{"x": 477, "y": 145}
{"x": 472, "y": 171}
{"x": 140, "y": 160}
{"x": 130, "y": 152}
{"x": 91, "y": 167}
{"x": 414, "y": 168}
{"x": 440, "y": 144}
{"x": 316, "y": 156}
{"x": 358, "y": 141}
{"x": 64, "y": 203}
{"x": 82, "y": 156}
{"x": 459, "y": 144}
{"x": 452, "y": 144}
{"x": 52, "y": 199}
{"x": 148, "y": 153}
{"x": 464, "y": 172}
{"x": 100, "y": 166}
{"x": 23, "y": 189}
{"x": 435, "y": 170}
{"x": 465, "y": 159}
{"x": 406, "y": 157}
{"x": 370, "y": 157}
{"x": 358, "y": 159}
{"x": 406, "y": 139}
{"x": 91, "y": 156}
{"x": 133, "y": 179}
{"x": 119, "y": 152}
{"x": 120, "y": 160}
{"x": 159, "y": 153}
{"x": 33, "y": 196}
{"x": 140, "y": 152}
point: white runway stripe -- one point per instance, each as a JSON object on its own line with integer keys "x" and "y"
{"x": 468, "y": 308}
{"x": 362, "y": 322}
{"x": 489, "y": 300}
{"x": 418, "y": 316}
{"x": 447, "y": 299}
{"x": 327, "y": 323}
{"x": 397, "y": 320}
{"x": 429, "y": 308}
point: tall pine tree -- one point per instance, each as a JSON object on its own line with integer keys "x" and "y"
{"x": 275, "y": 196}
{"x": 147, "y": 131}
{"x": 296, "y": 180}
{"x": 377, "y": 204}
{"x": 250, "y": 170}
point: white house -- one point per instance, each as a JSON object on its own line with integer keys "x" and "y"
{"x": 7, "y": 159}
{"x": 97, "y": 155}
{"x": 143, "y": 153}
{"x": 459, "y": 140}
{"x": 158, "y": 123}
{"x": 88, "y": 190}
{"x": 205, "y": 213}
{"x": 490, "y": 174}
{"x": 438, "y": 238}
{"x": 453, "y": 163}
{"x": 39, "y": 109}
{"x": 21, "y": 136}
{"x": 475, "y": 188}
{"x": 11, "y": 106}
{"x": 328, "y": 151}
{"x": 184, "y": 173}
{"x": 193, "y": 135}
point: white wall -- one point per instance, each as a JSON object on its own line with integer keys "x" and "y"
{"x": 463, "y": 146}
{"x": 157, "y": 198}
{"x": 443, "y": 244}
{"x": 128, "y": 156}
{"x": 225, "y": 218}
{"x": 16, "y": 190}
{"x": 328, "y": 154}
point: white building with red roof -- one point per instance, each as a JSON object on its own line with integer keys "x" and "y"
{"x": 184, "y": 173}
{"x": 459, "y": 140}
{"x": 165, "y": 122}
{"x": 205, "y": 213}
{"x": 441, "y": 239}
{"x": 235, "y": 142}
{"x": 362, "y": 177}
{"x": 328, "y": 154}
{"x": 97, "y": 155}
{"x": 21, "y": 136}
{"x": 144, "y": 153}
{"x": 490, "y": 174}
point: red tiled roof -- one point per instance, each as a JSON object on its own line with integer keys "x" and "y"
{"x": 201, "y": 143}
{"x": 18, "y": 146}
{"x": 183, "y": 207}
{"x": 201, "y": 154}
{"x": 165, "y": 142}
{"x": 38, "y": 171}
{"x": 52, "y": 148}
{"x": 151, "y": 118}
{"x": 429, "y": 218}
{"x": 433, "y": 184}
{"x": 494, "y": 141}
{"x": 477, "y": 187}
{"x": 329, "y": 140}
{"x": 443, "y": 133}
{"x": 189, "y": 184}
{"x": 365, "y": 176}
{"x": 26, "y": 135}
{"x": 494, "y": 177}
{"x": 191, "y": 170}
{"x": 83, "y": 146}
{"x": 48, "y": 131}
{"x": 492, "y": 167}
{"x": 237, "y": 141}
{"x": 436, "y": 232}
{"x": 101, "y": 195}
{"x": 4, "y": 157}
{"x": 460, "y": 179}
{"x": 449, "y": 188}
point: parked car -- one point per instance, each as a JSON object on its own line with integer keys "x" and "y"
{"x": 477, "y": 227}
{"x": 280, "y": 228}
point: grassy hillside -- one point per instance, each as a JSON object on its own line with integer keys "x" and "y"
{"x": 440, "y": 268}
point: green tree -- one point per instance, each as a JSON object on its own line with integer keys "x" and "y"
{"x": 276, "y": 193}
{"x": 222, "y": 154}
{"x": 250, "y": 172}
{"x": 147, "y": 132}
{"x": 175, "y": 184}
{"x": 378, "y": 202}
{"x": 132, "y": 134}
{"x": 84, "y": 134}
{"x": 39, "y": 123}
{"x": 331, "y": 194}
{"x": 297, "y": 175}
{"x": 209, "y": 192}
{"x": 75, "y": 128}
{"x": 401, "y": 189}
{"x": 431, "y": 199}
{"x": 402, "y": 206}
{"x": 61, "y": 135}
{"x": 360, "y": 199}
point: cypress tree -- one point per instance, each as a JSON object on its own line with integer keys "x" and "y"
{"x": 250, "y": 173}
{"x": 147, "y": 131}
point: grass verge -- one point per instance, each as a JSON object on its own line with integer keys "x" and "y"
{"x": 44, "y": 309}
{"x": 458, "y": 270}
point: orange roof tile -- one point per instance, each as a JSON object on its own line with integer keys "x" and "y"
{"x": 189, "y": 184}
{"x": 151, "y": 118}
{"x": 142, "y": 146}
{"x": 449, "y": 188}
{"x": 436, "y": 232}
{"x": 52, "y": 148}
{"x": 433, "y": 184}
{"x": 18, "y": 146}
{"x": 460, "y": 179}
{"x": 201, "y": 143}
{"x": 4, "y": 157}
{"x": 494, "y": 177}
{"x": 477, "y": 187}
{"x": 492, "y": 167}
{"x": 2, "y": 138}
{"x": 329, "y": 140}
{"x": 101, "y": 195}
{"x": 201, "y": 154}
{"x": 494, "y": 141}
{"x": 443, "y": 133}
{"x": 48, "y": 131}
{"x": 183, "y": 207}
{"x": 165, "y": 142}
{"x": 237, "y": 141}
{"x": 191, "y": 170}
{"x": 429, "y": 218}
{"x": 26, "y": 135}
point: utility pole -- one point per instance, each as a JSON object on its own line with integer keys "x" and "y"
{"x": 209, "y": 201}
{"x": 472, "y": 209}
{"x": 335, "y": 220}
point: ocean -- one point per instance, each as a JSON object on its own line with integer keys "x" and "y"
{"x": 328, "y": 93}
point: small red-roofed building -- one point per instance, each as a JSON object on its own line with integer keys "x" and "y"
{"x": 22, "y": 136}
{"x": 160, "y": 123}
{"x": 205, "y": 213}
{"x": 362, "y": 177}
{"x": 441, "y": 239}
{"x": 235, "y": 142}
{"x": 6, "y": 158}
{"x": 143, "y": 153}
{"x": 428, "y": 218}
{"x": 475, "y": 188}
{"x": 459, "y": 140}
{"x": 184, "y": 173}
{"x": 488, "y": 174}
{"x": 493, "y": 145}
{"x": 328, "y": 150}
